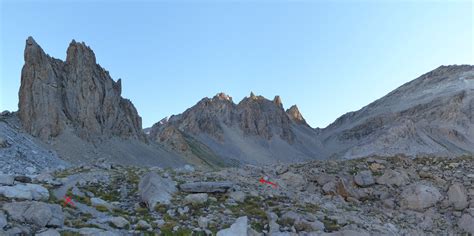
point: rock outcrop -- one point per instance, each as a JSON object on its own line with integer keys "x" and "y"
{"x": 75, "y": 93}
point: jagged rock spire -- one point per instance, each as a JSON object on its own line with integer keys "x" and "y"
{"x": 277, "y": 101}
{"x": 295, "y": 115}
{"x": 76, "y": 93}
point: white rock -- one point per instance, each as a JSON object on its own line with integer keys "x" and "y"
{"x": 197, "y": 198}
{"x": 25, "y": 191}
{"x": 6, "y": 179}
{"x": 238, "y": 196}
{"x": 419, "y": 197}
{"x": 237, "y": 228}
{"x": 203, "y": 222}
{"x": 119, "y": 222}
{"x": 189, "y": 168}
{"x": 457, "y": 196}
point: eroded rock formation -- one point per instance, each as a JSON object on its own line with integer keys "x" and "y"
{"x": 75, "y": 93}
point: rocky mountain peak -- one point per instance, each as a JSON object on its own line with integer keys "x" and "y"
{"x": 295, "y": 115}
{"x": 277, "y": 101}
{"x": 34, "y": 54}
{"x": 80, "y": 53}
{"x": 77, "y": 93}
{"x": 223, "y": 97}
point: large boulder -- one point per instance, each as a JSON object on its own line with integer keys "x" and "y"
{"x": 240, "y": 228}
{"x": 25, "y": 192}
{"x": 457, "y": 196}
{"x": 206, "y": 187}
{"x": 154, "y": 189}
{"x": 39, "y": 214}
{"x": 419, "y": 197}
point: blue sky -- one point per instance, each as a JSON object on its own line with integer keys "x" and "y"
{"x": 328, "y": 57}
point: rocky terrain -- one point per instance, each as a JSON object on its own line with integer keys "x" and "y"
{"x": 368, "y": 196}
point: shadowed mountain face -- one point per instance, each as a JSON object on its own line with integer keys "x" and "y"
{"x": 256, "y": 130}
{"x": 433, "y": 114}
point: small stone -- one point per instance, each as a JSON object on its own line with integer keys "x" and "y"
{"x": 466, "y": 223}
{"x": 203, "y": 222}
{"x": 141, "y": 224}
{"x": 364, "y": 179}
{"x": 189, "y": 168}
{"x": 238, "y": 196}
{"x": 183, "y": 210}
{"x": 457, "y": 196}
{"x": 119, "y": 222}
{"x": 197, "y": 198}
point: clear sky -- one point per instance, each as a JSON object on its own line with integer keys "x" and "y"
{"x": 328, "y": 57}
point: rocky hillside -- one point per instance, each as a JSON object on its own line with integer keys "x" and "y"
{"x": 433, "y": 114}
{"x": 369, "y": 196}
{"x": 256, "y": 130}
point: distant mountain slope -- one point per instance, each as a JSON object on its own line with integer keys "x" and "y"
{"x": 256, "y": 130}
{"x": 433, "y": 114}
